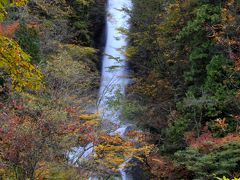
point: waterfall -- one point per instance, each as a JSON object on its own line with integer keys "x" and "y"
{"x": 114, "y": 80}
{"x": 114, "y": 71}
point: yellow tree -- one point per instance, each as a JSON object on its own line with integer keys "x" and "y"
{"x": 14, "y": 61}
{"x": 111, "y": 151}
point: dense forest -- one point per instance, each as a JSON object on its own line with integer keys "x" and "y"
{"x": 185, "y": 61}
{"x": 182, "y": 99}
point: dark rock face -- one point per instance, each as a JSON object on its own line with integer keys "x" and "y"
{"x": 136, "y": 172}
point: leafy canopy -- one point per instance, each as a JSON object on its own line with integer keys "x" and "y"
{"x": 14, "y": 61}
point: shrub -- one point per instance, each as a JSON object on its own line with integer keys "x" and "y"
{"x": 29, "y": 41}
{"x": 222, "y": 160}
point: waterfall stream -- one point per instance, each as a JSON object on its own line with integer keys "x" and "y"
{"x": 113, "y": 81}
{"x": 114, "y": 71}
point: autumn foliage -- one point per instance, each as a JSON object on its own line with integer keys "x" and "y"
{"x": 184, "y": 91}
{"x": 191, "y": 104}
{"x": 8, "y": 29}
{"x": 112, "y": 151}
{"x": 30, "y": 140}
{"x": 207, "y": 142}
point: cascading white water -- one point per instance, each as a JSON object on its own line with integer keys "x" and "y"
{"x": 114, "y": 71}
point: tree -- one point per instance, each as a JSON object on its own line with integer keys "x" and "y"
{"x": 15, "y": 62}
{"x": 219, "y": 160}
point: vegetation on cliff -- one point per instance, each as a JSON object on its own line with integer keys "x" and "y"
{"x": 185, "y": 60}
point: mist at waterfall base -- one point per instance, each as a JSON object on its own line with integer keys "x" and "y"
{"x": 114, "y": 77}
